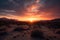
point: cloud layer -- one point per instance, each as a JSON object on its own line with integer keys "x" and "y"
{"x": 51, "y": 8}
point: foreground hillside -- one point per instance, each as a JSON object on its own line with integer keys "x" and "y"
{"x": 41, "y": 30}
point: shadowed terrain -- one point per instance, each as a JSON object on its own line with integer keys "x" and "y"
{"x": 41, "y": 30}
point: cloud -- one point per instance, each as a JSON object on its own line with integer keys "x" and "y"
{"x": 18, "y": 7}
{"x": 13, "y": 5}
{"x": 53, "y": 7}
{"x": 11, "y": 11}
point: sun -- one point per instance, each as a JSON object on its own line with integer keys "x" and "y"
{"x": 32, "y": 19}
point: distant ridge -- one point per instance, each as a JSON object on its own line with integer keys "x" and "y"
{"x": 13, "y": 21}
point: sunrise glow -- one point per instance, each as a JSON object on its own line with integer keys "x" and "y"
{"x": 32, "y": 19}
{"x": 31, "y": 13}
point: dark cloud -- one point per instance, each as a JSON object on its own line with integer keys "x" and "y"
{"x": 11, "y": 4}
{"x": 52, "y": 6}
{"x": 16, "y": 5}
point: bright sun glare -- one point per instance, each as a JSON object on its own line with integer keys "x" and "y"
{"x": 29, "y": 19}
{"x": 32, "y": 19}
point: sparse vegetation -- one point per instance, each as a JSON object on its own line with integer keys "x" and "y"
{"x": 39, "y": 30}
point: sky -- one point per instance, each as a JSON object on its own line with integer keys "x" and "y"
{"x": 40, "y": 9}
